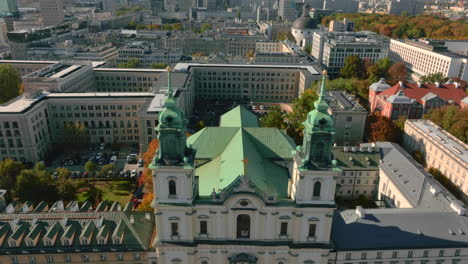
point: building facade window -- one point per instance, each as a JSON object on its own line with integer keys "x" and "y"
{"x": 172, "y": 187}
{"x": 284, "y": 229}
{"x": 243, "y": 226}
{"x": 203, "y": 227}
{"x": 174, "y": 229}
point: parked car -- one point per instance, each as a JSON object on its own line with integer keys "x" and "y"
{"x": 133, "y": 174}
{"x": 140, "y": 163}
{"x": 102, "y": 146}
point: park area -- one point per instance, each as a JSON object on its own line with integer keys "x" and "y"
{"x": 111, "y": 191}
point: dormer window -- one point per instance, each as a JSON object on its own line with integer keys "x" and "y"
{"x": 101, "y": 241}
{"x": 29, "y": 243}
{"x": 12, "y": 243}
{"x": 83, "y": 241}
{"x": 117, "y": 241}
{"x": 66, "y": 242}
{"x": 47, "y": 242}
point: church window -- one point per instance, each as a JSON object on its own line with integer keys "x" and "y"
{"x": 312, "y": 229}
{"x": 203, "y": 227}
{"x": 317, "y": 187}
{"x": 243, "y": 226}
{"x": 174, "y": 229}
{"x": 284, "y": 229}
{"x": 172, "y": 187}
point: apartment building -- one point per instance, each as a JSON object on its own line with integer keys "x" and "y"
{"x": 441, "y": 150}
{"x": 427, "y": 57}
{"x": 106, "y": 53}
{"x": 261, "y": 83}
{"x": 332, "y": 48}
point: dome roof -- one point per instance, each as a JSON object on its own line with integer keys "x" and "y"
{"x": 380, "y": 86}
{"x": 305, "y": 21}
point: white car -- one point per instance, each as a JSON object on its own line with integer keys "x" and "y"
{"x": 133, "y": 174}
{"x": 102, "y": 146}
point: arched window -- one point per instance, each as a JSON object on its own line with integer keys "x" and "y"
{"x": 317, "y": 187}
{"x": 243, "y": 226}
{"x": 172, "y": 187}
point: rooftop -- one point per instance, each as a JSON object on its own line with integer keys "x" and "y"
{"x": 187, "y": 66}
{"x": 417, "y": 185}
{"x": 382, "y": 229}
{"x": 445, "y": 91}
{"x": 452, "y": 145}
{"x": 342, "y": 101}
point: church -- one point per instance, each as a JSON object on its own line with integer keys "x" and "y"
{"x": 241, "y": 193}
{"x": 244, "y": 194}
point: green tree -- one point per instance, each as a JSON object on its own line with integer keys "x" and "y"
{"x": 9, "y": 171}
{"x": 132, "y": 63}
{"x": 205, "y": 27}
{"x": 250, "y": 54}
{"x": 105, "y": 169}
{"x": 160, "y": 65}
{"x": 90, "y": 166}
{"x": 35, "y": 186}
{"x": 435, "y": 77}
{"x": 63, "y": 173}
{"x": 419, "y": 157}
{"x": 308, "y": 49}
{"x": 73, "y": 136}
{"x": 353, "y": 67}
{"x": 300, "y": 108}
{"x": 40, "y": 166}
{"x": 10, "y": 83}
{"x": 274, "y": 118}
{"x": 439, "y": 176}
{"x": 177, "y": 27}
{"x": 452, "y": 119}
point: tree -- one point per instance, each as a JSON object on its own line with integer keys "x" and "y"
{"x": 73, "y": 136}
{"x": 132, "y": 63}
{"x": 9, "y": 171}
{"x": 397, "y": 72}
{"x": 36, "y": 186}
{"x": 381, "y": 128}
{"x": 446, "y": 182}
{"x": 300, "y": 108}
{"x": 10, "y": 81}
{"x": 353, "y": 67}
{"x": 177, "y": 27}
{"x": 250, "y": 54}
{"x": 451, "y": 118}
{"x": 205, "y": 27}
{"x": 105, "y": 169}
{"x": 145, "y": 205}
{"x": 160, "y": 65}
{"x": 419, "y": 157}
{"x": 63, "y": 173}
{"x": 274, "y": 118}
{"x": 435, "y": 77}
{"x": 308, "y": 49}
{"x": 90, "y": 166}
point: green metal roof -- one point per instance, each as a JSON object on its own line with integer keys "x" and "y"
{"x": 356, "y": 160}
{"x": 239, "y": 117}
{"x": 220, "y": 152}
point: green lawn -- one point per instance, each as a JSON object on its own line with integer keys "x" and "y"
{"x": 113, "y": 191}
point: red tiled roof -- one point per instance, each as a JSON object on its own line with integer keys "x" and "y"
{"x": 445, "y": 91}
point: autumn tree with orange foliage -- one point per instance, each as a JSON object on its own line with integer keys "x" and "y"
{"x": 381, "y": 128}
{"x": 147, "y": 178}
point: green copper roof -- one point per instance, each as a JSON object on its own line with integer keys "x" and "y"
{"x": 220, "y": 152}
{"x": 239, "y": 117}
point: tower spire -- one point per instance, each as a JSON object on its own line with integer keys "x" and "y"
{"x": 321, "y": 103}
{"x": 170, "y": 101}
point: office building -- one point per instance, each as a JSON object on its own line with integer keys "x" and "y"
{"x": 412, "y": 100}
{"x": 287, "y": 10}
{"x": 344, "y": 6}
{"x": 147, "y": 54}
{"x": 409, "y": 7}
{"x": 52, "y": 12}
{"x": 422, "y": 58}
{"x": 440, "y": 150}
{"x": 332, "y": 48}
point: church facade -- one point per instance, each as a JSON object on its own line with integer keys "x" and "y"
{"x": 240, "y": 193}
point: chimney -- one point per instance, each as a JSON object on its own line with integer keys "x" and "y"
{"x": 361, "y": 212}
{"x": 457, "y": 84}
{"x": 402, "y": 84}
{"x": 419, "y": 84}
{"x": 437, "y": 84}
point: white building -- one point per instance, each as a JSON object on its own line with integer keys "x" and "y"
{"x": 423, "y": 58}
{"x": 441, "y": 150}
{"x": 303, "y": 28}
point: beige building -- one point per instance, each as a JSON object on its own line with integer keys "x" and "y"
{"x": 441, "y": 150}
{"x": 423, "y": 58}
{"x": 261, "y": 83}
